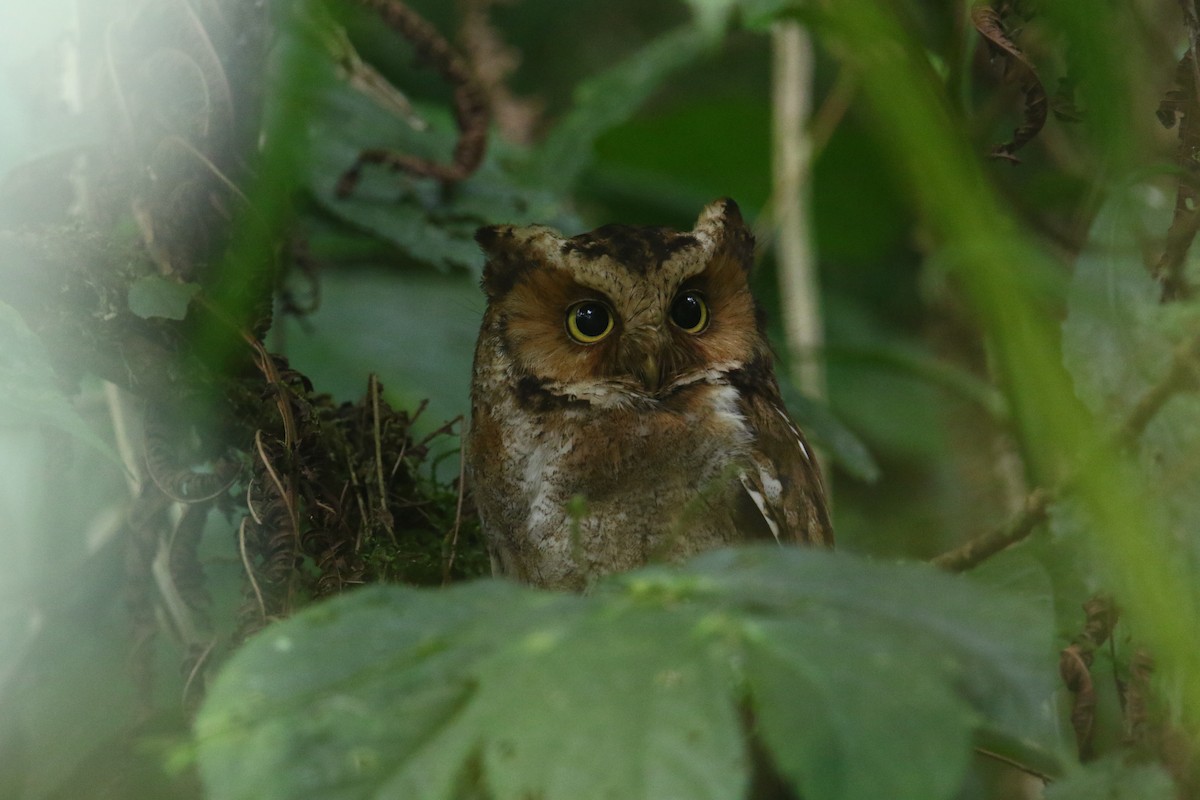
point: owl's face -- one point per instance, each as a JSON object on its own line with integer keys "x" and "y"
{"x": 624, "y": 407}
{"x": 624, "y": 314}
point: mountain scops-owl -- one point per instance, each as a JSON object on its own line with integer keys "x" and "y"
{"x": 624, "y": 407}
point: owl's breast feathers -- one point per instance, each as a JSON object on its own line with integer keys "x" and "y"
{"x": 656, "y": 454}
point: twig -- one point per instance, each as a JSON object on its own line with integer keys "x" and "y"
{"x": 364, "y": 515}
{"x": 384, "y": 513}
{"x": 195, "y": 671}
{"x": 975, "y": 551}
{"x": 1182, "y": 374}
{"x": 404, "y": 447}
{"x": 471, "y": 112}
{"x": 250, "y": 501}
{"x": 792, "y": 101}
{"x": 262, "y": 605}
{"x": 1012, "y": 762}
{"x": 284, "y": 494}
{"x": 462, "y": 490}
{"x": 266, "y": 365}
{"x": 122, "y": 423}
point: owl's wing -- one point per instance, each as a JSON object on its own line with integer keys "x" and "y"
{"x": 784, "y": 482}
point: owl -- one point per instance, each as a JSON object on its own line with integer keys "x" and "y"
{"x": 624, "y": 407}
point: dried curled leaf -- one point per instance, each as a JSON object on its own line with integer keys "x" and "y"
{"x": 471, "y": 112}
{"x": 655, "y": 685}
{"x": 1179, "y": 105}
{"x": 1075, "y": 664}
{"x": 990, "y": 26}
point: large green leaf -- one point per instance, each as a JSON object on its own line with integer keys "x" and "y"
{"x": 1111, "y": 779}
{"x": 426, "y": 221}
{"x": 155, "y": 296}
{"x": 32, "y": 393}
{"x": 612, "y": 97}
{"x": 417, "y": 335}
{"x": 1118, "y": 343}
{"x": 1113, "y": 340}
{"x": 859, "y": 680}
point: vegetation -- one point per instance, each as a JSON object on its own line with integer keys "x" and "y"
{"x": 238, "y": 295}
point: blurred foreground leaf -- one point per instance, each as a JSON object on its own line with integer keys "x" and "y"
{"x": 156, "y": 296}
{"x": 863, "y": 680}
{"x": 1113, "y": 780}
{"x": 32, "y": 392}
{"x": 1118, "y": 345}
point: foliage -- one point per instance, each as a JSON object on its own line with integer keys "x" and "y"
{"x": 403, "y": 693}
{"x": 192, "y": 305}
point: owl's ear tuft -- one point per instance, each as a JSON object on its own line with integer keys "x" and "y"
{"x": 721, "y": 223}
{"x": 489, "y": 237}
{"x": 510, "y": 251}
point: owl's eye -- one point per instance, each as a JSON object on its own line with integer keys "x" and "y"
{"x": 589, "y": 322}
{"x": 690, "y": 312}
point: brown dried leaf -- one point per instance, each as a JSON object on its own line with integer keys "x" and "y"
{"x": 1074, "y": 665}
{"x": 1180, "y": 105}
{"x": 990, "y": 26}
{"x": 471, "y": 112}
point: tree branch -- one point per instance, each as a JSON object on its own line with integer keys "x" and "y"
{"x": 1181, "y": 375}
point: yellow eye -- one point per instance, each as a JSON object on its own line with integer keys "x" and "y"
{"x": 689, "y": 312}
{"x": 589, "y": 322}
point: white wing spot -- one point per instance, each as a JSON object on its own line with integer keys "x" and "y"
{"x": 761, "y": 502}
{"x": 795, "y": 431}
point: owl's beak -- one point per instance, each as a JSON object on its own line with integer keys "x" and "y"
{"x": 649, "y": 373}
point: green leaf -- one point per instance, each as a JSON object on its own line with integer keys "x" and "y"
{"x": 1110, "y": 779}
{"x": 427, "y": 222}
{"x": 1113, "y": 343}
{"x": 863, "y": 680}
{"x": 156, "y": 296}
{"x": 1118, "y": 343}
{"x": 417, "y": 335}
{"x": 851, "y": 710}
{"x": 911, "y": 359}
{"x": 608, "y": 99}
{"x": 32, "y": 395}
{"x": 1169, "y": 455}
{"x": 830, "y": 433}
{"x": 755, "y": 14}
{"x": 713, "y": 15}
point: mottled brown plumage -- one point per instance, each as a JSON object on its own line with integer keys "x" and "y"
{"x": 624, "y": 404}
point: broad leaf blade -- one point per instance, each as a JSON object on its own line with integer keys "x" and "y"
{"x": 1112, "y": 779}
{"x": 644, "y": 713}
{"x": 865, "y": 735}
{"x": 32, "y": 395}
{"x": 632, "y": 692}
{"x": 155, "y": 296}
{"x": 1113, "y": 344}
{"x": 612, "y": 97}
